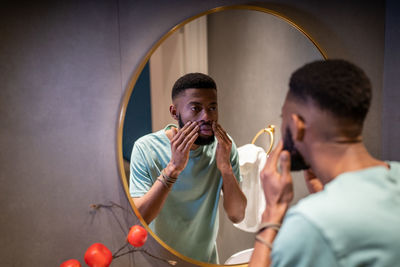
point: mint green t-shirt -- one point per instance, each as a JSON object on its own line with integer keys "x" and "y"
{"x": 354, "y": 221}
{"x": 188, "y": 221}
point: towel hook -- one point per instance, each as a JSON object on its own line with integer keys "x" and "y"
{"x": 271, "y": 132}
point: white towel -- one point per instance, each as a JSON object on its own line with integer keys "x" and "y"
{"x": 252, "y": 160}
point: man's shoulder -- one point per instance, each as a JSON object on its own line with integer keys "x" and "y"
{"x": 321, "y": 213}
{"x": 151, "y": 138}
{"x": 394, "y": 167}
{"x": 311, "y": 203}
{"x": 348, "y": 199}
{"x": 325, "y": 207}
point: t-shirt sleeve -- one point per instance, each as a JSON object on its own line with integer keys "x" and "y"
{"x": 300, "y": 244}
{"x": 140, "y": 180}
{"x": 235, "y": 162}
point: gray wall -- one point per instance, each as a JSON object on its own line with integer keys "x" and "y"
{"x": 391, "y": 92}
{"x": 64, "y": 66}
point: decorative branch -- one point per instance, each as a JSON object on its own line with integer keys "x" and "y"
{"x": 109, "y": 206}
{"x": 112, "y": 205}
{"x": 115, "y": 253}
{"x": 171, "y": 262}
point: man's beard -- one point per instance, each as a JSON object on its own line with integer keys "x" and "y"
{"x": 201, "y": 141}
{"x": 296, "y": 159}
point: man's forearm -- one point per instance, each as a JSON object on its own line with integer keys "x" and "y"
{"x": 261, "y": 256}
{"x": 151, "y": 203}
{"x": 235, "y": 201}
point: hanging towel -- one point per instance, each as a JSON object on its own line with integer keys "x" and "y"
{"x": 252, "y": 160}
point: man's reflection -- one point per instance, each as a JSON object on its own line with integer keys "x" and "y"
{"x": 177, "y": 173}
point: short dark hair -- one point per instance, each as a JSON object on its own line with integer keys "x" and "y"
{"x": 335, "y": 85}
{"x": 192, "y": 80}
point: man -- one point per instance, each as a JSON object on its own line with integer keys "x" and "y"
{"x": 177, "y": 174}
{"x": 355, "y": 218}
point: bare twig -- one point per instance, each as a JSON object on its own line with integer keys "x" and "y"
{"x": 171, "y": 262}
{"x": 115, "y": 255}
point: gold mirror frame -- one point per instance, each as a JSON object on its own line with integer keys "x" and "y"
{"x": 128, "y": 93}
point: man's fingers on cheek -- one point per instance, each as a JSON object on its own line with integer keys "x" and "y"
{"x": 175, "y": 138}
{"x": 192, "y": 129}
{"x": 285, "y": 163}
{"x": 180, "y": 139}
{"x": 215, "y": 128}
{"x": 190, "y": 141}
{"x": 196, "y": 129}
{"x": 223, "y": 131}
{"x": 174, "y": 141}
{"x": 220, "y": 133}
{"x": 273, "y": 156}
{"x": 190, "y": 136}
{"x": 193, "y": 138}
{"x": 186, "y": 125}
{"x": 276, "y": 150}
{"x": 223, "y": 135}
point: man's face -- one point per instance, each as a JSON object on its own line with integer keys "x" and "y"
{"x": 297, "y": 160}
{"x": 198, "y": 105}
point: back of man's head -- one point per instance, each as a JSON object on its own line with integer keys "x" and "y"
{"x": 192, "y": 81}
{"x": 336, "y": 86}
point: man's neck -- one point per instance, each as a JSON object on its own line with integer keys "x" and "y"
{"x": 332, "y": 159}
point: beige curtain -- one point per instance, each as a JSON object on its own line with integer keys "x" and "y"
{"x": 183, "y": 52}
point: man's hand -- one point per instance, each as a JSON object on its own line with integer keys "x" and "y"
{"x": 181, "y": 142}
{"x": 314, "y": 185}
{"x": 278, "y": 186}
{"x": 224, "y": 147}
{"x": 278, "y": 191}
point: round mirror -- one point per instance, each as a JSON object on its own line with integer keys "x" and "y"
{"x": 250, "y": 52}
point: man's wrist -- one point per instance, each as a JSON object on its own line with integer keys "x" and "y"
{"x": 225, "y": 169}
{"x": 274, "y": 213}
{"x": 171, "y": 171}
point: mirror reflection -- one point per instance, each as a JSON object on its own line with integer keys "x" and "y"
{"x": 250, "y": 55}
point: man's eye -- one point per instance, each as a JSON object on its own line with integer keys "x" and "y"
{"x": 195, "y": 108}
{"x": 213, "y": 108}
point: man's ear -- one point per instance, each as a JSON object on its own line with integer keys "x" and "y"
{"x": 298, "y": 127}
{"x": 172, "y": 111}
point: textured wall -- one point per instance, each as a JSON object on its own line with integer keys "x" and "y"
{"x": 391, "y": 94}
{"x": 64, "y": 66}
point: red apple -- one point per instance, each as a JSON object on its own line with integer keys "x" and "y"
{"x": 98, "y": 255}
{"x": 137, "y": 236}
{"x": 71, "y": 263}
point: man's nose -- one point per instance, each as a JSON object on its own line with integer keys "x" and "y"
{"x": 206, "y": 115}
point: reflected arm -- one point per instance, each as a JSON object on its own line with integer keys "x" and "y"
{"x": 150, "y": 204}
{"x": 227, "y": 158}
{"x": 235, "y": 201}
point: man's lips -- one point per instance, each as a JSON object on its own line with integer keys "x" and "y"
{"x": 206, "y": 130}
